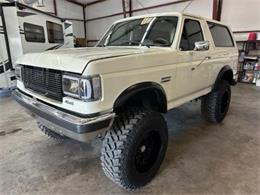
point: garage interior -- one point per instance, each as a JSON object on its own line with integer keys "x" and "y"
{"x": 201, "y": 158}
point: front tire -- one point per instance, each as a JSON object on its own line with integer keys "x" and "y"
{"x": 134, "y": 148}
{"x": 215, "y": 105}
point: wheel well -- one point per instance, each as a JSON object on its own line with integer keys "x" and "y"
{"x": 225, "y": 74}
{"x": 228, "y": 76}
{"x": 148, "y": 95}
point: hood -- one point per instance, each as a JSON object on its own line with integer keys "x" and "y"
{"x": 75, "y": 59}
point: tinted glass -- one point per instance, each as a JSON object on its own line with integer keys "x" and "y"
{"x": 149, "y": 31}
{"x": 192, "y": 33}
{"x": 220, "y": 35}
{"x": 55, "y": 32}
{"x": 162, "y": 31}
{"x": 129, "y": 32}
{"x": 33, "y": 33}
{"x": 1, "y": 69}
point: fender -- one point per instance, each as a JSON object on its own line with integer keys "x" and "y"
{"x": 141, "y": 87}
{"x": 226, "y": 73}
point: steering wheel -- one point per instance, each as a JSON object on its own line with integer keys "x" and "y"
{"x": 162, "y": 41}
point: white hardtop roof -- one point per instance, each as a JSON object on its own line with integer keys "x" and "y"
{"x": 179, "y": 14}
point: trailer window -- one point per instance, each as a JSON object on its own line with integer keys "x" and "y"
{"x": 55, "y": 32}
{"x": 33, "y": 33}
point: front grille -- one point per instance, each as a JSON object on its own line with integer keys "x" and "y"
{"x": 47, "y": 82}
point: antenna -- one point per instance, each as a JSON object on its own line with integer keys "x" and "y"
{"x": 29, "y": 2}
{"x": 187, "y": 6}
{"x": 142, "y": 5}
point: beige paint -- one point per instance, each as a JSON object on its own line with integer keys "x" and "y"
{"x": 122, "y": 67}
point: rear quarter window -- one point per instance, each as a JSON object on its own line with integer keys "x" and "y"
{"x": 221, "y": 35}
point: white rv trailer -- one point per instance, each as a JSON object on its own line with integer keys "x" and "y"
{"x": 24, "y": 29}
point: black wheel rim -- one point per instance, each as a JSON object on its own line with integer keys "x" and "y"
{"x": 147, "y": 151}
{"x": 224, "y": 102}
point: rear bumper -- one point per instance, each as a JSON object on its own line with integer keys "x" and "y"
{"x": 79, "y": 128}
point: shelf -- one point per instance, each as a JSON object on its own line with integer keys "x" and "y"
{"x": 250, "y": 70}
{"x": 251, "y": 58}
{"x": 250, "y": 63}
{"x": 247, "y": 82}
{"x": 254, "y": 41}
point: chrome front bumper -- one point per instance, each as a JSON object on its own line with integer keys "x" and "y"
{"x": 81, "y": 128}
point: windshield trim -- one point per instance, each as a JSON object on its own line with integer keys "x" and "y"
{"x": 128, "y": 21}
{"x": 104, "y": 35}
{"x": 147, "y": 30}
{"x": 108, "y": 33}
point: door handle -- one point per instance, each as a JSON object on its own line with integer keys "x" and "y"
{"x": 206, "y": 58}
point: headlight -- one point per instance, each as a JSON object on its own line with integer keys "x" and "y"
{"x": 18, "y": 72}
{"x": 85, "y": 88}
{"x": 70, "y": 85}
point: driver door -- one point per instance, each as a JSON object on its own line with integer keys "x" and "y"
{"x": 192, "y": 76}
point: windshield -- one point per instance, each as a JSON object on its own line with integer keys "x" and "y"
{"x": 151, "y": 31}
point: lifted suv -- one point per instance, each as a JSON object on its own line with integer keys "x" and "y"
{"x": 142, "y": 67}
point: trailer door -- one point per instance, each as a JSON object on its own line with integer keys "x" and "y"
{"x": 3, "y": 55}
{"x": 10, "y": 45}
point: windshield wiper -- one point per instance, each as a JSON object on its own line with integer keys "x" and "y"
{"x": 138, "y": 43}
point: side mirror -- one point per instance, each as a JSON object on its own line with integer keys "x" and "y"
{"x": 201, "y": 45}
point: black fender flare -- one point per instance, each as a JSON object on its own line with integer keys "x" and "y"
{"x": 139, "y": 87}
{"x": 226, "y": 73}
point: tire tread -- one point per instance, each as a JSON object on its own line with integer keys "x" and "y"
{"x": 210, "y": 104}
{"x": 116, "y": 140}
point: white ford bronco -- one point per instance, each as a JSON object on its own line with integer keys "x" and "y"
{"x": 142, "y": 67}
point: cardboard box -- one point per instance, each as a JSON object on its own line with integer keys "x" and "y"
{"x": 81, "y": 42}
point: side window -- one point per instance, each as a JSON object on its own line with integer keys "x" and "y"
{"x": 191, "y": 33}
{"x": 221, "y": 35}
{"x": 55, "y": 32}
{"x": 163, "y": 31}
{"x": 33, "y": 33}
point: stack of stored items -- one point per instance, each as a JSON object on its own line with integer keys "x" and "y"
{"x": 251, "y": 68}
{"x": 249, "y": 58}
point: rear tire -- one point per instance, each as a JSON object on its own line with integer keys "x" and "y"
{"x": 215, "y": 105}
{"x": 134, "y": 148}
